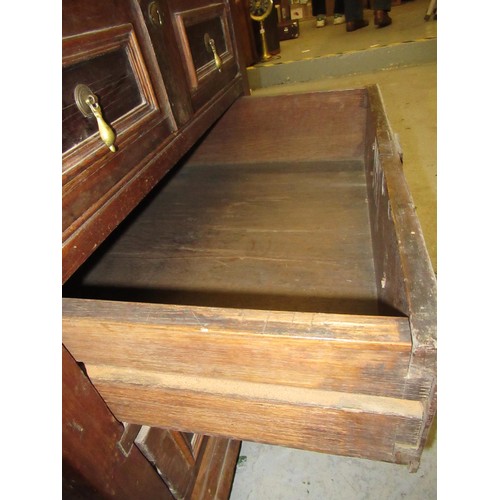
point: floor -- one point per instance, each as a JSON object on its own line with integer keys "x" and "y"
{"x": 406, "y": 71}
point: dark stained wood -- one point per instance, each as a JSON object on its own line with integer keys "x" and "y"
{"x": 331, "y": 127}
{"x": 110, "y": 62}
{"x": 137, "y": 72}
{"x": 93, "y": 464}
{"x": 191, "y": 23}
{"x": 99, "y": 187}
{"x": 244, "y": 32}
{"x": 169, "y": 61}
{"x": 111, "y": 78}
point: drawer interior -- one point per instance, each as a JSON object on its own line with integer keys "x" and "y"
{"x": 273, "y": 217}
{"x": 277, "y": 236}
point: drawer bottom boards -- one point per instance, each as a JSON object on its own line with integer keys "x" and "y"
{"x": 274, "y": 237}
{"x": 274, "y": 287}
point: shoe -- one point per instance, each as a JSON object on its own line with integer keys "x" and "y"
{"x": 338, "y": 19}
{"x": 381, "y": 18}
{"x": 320, "y": 21}
{"x": 356, "y": 25}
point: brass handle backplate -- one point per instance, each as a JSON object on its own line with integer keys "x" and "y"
{"x": 210, "y": 46}
{"x": 154, "y": 14}
{"x": 87, "y": 103}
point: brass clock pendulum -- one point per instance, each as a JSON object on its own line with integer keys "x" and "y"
{"x": 259, "y": 10}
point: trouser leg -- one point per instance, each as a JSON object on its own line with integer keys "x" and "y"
{"x": 319, "y": 7}
{"x": 353, "y": 10}
{"x": 381, "y": 5}
{"x": 339, "y": 7}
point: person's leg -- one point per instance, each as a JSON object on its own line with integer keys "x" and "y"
{"x": 354, "y": 15}
{"x": 380, "y": 12}
{"x": 339, "y": 12}
{"x": 353, "y": 10}
{"x": 319, "y": 7}
{"x": 319, "y": 10}
{"x": 381, "y": 5}
{"x": 339, "y": 7}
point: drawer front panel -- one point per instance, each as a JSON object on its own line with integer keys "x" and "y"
{"x": 249, "y": 369}
{"x": 112, "y": 79}
{"x": 203, "y": 58}
{"x": 110, "y": 63}
{"x": 108, "y": 55}
{"x": 204, "y": 38}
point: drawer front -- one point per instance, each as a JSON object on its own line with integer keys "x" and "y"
{"x": 104, "y": 50}
{"x": 323, "y": 377}
{"x": 111, "y": 76}
{"x": 204, "y": 38}
{"x": 111, "y": 65}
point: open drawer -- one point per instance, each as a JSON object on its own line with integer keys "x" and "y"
{"x": 275, "y": 287}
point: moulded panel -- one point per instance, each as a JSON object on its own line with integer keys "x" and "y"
{"x": 110, "y": 63}
{"x": 204, "y": 39}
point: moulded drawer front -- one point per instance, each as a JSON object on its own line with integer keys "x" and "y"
{"x": 105, "y": 53}
{"x": 204, "y": 37}
{"x": 311, "y": 372}
{"x": 110, "y": 63}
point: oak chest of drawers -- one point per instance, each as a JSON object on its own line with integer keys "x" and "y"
{"x": 225, "y": 276}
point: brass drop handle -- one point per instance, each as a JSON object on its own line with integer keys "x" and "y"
{"x": 105, "y": 131}
{"x": 87, "y": 103}
{"x": 210, "y": 46}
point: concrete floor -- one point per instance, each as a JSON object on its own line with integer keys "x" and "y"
{"x": 408, "y": 86}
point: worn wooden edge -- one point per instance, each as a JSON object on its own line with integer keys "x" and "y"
{"x": 259, "y": 391}
{"x": 344, "y": 424}
{"x": 419, "y": 278}
{"x": 130, "y": 432}
{"x": 411, "y": 455}
{"x": 349, "y": 327}
{"x": 160, "y": 446}
{"x": 102, "y": 218}
{"x": 362, "y": 354}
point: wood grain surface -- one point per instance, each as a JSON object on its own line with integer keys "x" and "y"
{"x": 269, "y": 289}
{"x": 265, "y": 236}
